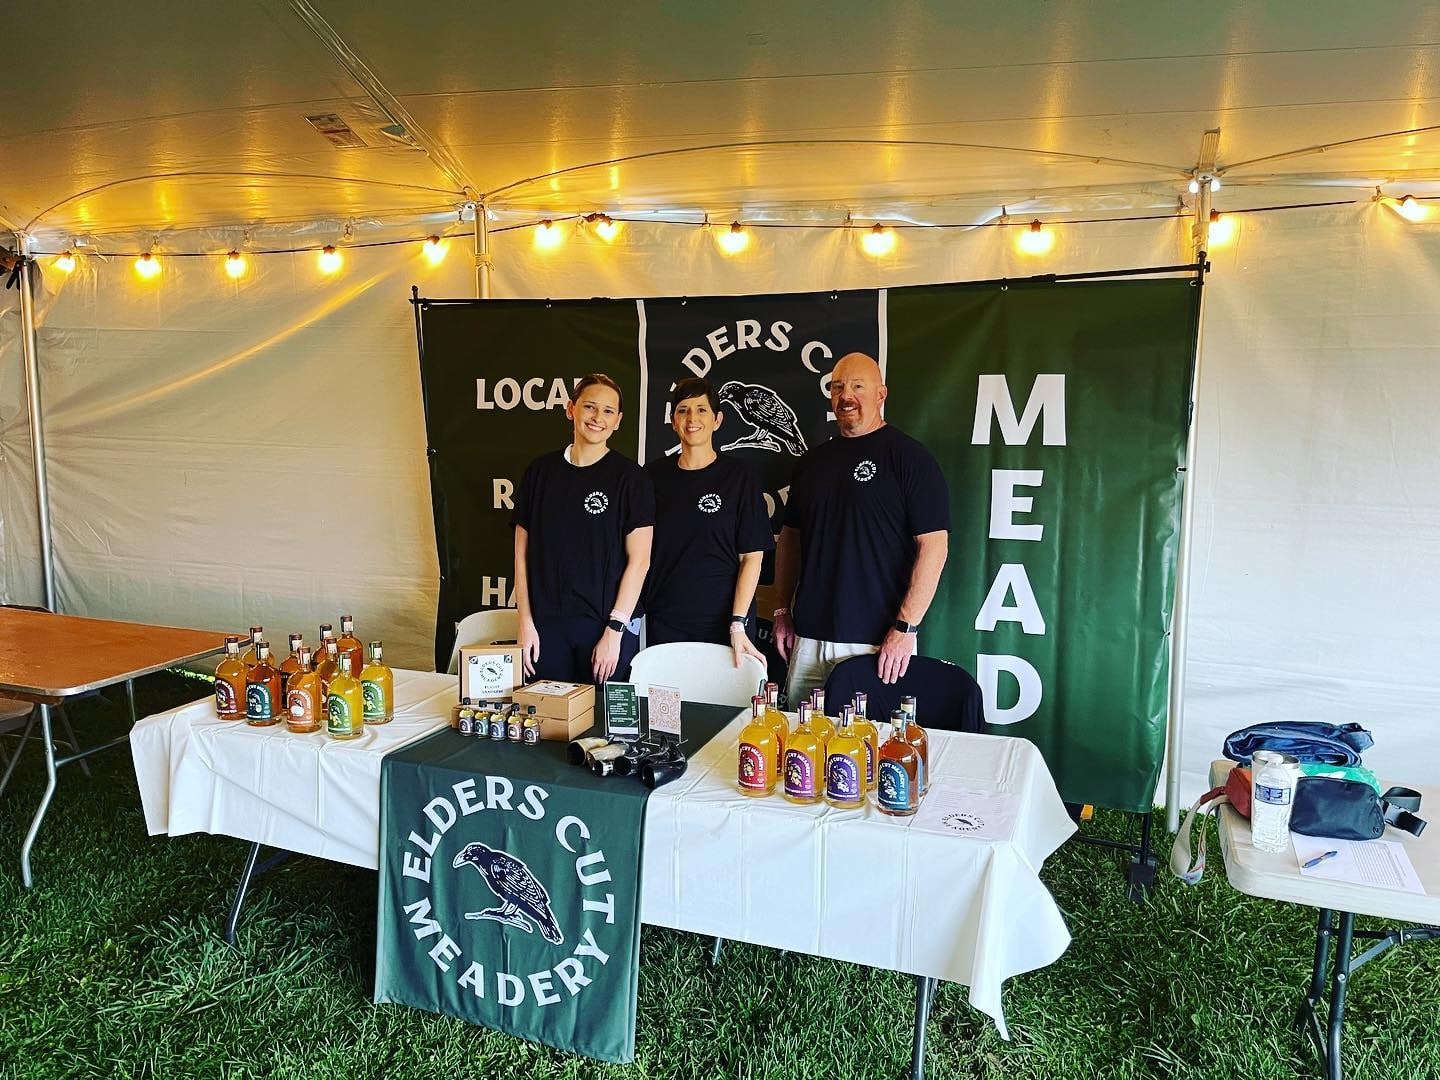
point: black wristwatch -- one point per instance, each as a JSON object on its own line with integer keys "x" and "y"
{"x": 616, "y": 625}
{"x": 906, "y": 627}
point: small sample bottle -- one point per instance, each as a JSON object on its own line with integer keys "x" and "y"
{"x": 303, "y": 709}
{"x": 532, "y": 727}
{"x": 230, "y": 683}
{"x": 248, "y": 658}
{"x": 350, "y": 644}
{"x": 515, "y": 724}
{"x": 845, "y": 764}
{"x": 344, "y": 704}
{"x": 897, "y": 786}
{"x": 377, "y": 685}
{"x": 756, "y": 770}
{"x": 262, "y": 689}
{"x": 870, "y": 733}
{"x": 466, "y": 721}
{"x": 804, "y": 761}
{"x": 495, "y": 723}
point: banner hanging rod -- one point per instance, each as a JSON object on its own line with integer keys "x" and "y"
{"x": 1199, "y": 269}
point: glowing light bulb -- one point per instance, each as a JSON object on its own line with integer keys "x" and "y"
{"x": 1194, "y": 187}
{"x": 434, "y": 250}
{"x": 235, "y": 265}
{"x": 607, "y": 229}
{"x": 66, "y": 262}
{"x": 330, "y": 260}
{"x": 1411, "y": 209}
{"x": 1214, "y": 183}
{"x": 1221, "y": 230}
{"x": 878, "y": 241}
{"x": 734, "y": 239}
{"x": 147, "y": 266}
{"x": 548, "y": 235}
{"x": 1036, "y": 239}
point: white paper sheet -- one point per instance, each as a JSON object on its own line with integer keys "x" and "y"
{"x": 955, "y": 811}
{"x": 1383, "y": 864}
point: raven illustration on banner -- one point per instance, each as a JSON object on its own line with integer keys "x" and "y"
{"x": 522, "y": 897}
{"x": 775, "y": 425}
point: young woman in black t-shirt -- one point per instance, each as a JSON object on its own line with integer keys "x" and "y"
{"x": 583, "y": 520}
{"x": 711, "y": 534}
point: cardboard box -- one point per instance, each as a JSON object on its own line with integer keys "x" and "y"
{"x": 489, "y": 671}
{"x": 556, "y": 700}
{"x": 565, "y": 730}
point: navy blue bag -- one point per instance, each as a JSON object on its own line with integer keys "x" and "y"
{"x": 1310, "y": 742}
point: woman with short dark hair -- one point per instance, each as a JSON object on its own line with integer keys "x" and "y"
{"x": 583, "y": 521}
{"x": 711, "y": 533}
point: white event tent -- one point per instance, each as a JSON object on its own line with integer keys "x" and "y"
{"x": 222, "y": 449}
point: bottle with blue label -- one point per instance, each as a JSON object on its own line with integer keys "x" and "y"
{"x": 897, "y": 787}
{"x": 845, "y": 764}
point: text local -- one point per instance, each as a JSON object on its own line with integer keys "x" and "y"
{"x": 1046, "y": 404}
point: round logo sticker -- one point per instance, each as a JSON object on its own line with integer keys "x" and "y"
{"x": 962, "y": 822}
{"x": 866, "y": 470}
{"x": 710, "y": 503}
{"x": 597, "y": 502}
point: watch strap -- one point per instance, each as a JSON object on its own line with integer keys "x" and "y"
{"x": 906, "y": 627}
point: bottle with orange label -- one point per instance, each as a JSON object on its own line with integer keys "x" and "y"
{"x": 303, "y": 710}
{"x": 230, "y": 683}
{"x": 804, "y": 761}
{"x": 757, "y": 753}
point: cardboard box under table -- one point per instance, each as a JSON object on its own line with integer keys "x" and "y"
{"x": 565, "y": 709}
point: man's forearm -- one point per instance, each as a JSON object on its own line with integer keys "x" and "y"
{"x": 931, "y": 550}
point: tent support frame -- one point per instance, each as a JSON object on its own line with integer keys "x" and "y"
{"x": 30, "y": 350}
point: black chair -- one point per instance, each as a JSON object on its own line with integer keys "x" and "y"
{"x": 946, "y": 696}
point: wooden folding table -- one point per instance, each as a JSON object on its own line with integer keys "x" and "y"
{"x": 47, "y": 658}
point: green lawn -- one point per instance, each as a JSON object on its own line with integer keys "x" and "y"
{"x": 113, "y": 966}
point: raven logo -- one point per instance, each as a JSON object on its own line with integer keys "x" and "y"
{"x": 710, "y": 503}
{"x": 524, "y": 903}
{"x": 597, "y": 502}
{"x": 773, "y": 423}
{"x": 866, "y": 470}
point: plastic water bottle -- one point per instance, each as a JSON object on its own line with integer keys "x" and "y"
{"x": 1272, "y": 792}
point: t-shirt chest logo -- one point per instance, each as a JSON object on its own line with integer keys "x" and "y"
{"x": 597, "y": 502}
{"x": 710, "y": 503}
{"x": 866, "y": 470}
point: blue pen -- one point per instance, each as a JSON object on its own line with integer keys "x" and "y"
{"x": 1318, "y": 860}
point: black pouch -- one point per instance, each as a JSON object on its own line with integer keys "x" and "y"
{"x": 1333, "y": 807}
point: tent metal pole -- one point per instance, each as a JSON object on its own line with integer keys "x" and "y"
{"x": 1180, "y": 613}
{"x": 30, "y": 350}
{"x": 483, "y": 263}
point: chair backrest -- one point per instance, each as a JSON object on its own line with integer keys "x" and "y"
{"x": 701, "y": 670}
{"x": 482, "y": 628}
{"x": 946, "y": 696}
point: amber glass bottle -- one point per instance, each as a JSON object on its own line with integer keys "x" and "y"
{"x": 302, "y": 697}
{"x": 756, "y": 771}
{"x": 350, "y": 645}
{"x": 230, "y": 683}
{"x": 262, "y": 689}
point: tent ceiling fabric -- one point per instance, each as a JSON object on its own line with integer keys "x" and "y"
{"x": 177, "y": 116}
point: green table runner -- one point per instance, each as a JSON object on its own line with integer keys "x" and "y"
{"x": 510, "y": 887}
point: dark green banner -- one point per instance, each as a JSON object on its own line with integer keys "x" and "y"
{"x": 496, "y": 377}
{"x": 1058, "y": 412}
{"x": 509, "y": 892}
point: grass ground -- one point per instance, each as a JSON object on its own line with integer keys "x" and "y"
{"x": 113, "y": 966}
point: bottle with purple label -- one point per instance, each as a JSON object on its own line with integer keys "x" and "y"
{"x": 845, "y": 764}
{"x": 804, "y": 761}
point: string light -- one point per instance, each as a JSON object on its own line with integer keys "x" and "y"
{"x": 235, "y": 265}
{"x": 1221, "y": 230}
{"x": 434, "y": 250}
{"x": 1411, "y": 208}
{"x": 66, "y": 262}
{"x": 330, "y": 260}
{"x": 878, "y": 241}
{"x": 147, "y": 266}
{"x": 734, "y": 239}
{"x": 548, "y": 235}
{"x": 607, "y": 228}
{"x": 1036, "y": 239}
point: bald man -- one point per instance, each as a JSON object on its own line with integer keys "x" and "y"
{"x": 866, "y": 532}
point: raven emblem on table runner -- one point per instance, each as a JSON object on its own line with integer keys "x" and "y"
{"x": 775, "y": 426}
{"x": 524, "y": 903}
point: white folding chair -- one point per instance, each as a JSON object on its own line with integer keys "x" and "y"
{"x": 482, "y": 628}
{"x": 700, "y": 670}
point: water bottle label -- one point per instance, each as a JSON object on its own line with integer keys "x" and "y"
{"x": 1275, "y": 796}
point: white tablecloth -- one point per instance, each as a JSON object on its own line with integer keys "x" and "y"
{"x": 851, "y": 885}
{"x": 307, "y": 793}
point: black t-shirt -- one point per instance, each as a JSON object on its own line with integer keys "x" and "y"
{"x": 859, "y": 503}
{"x": 577, "y": 520}
{"x": 704, "y": 519}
